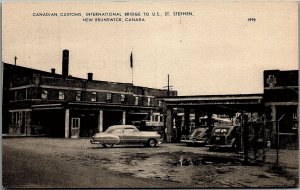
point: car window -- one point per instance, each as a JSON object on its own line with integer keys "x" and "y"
{"x": 196, "y": 133}
{"x": 118, "y": 131}
{"x": 130, "y": 130}
{"x": 221, "y": 131}
{"x": 115, "y": 131}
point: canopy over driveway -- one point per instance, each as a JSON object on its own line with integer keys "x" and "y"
{"x": 208, "y": 105}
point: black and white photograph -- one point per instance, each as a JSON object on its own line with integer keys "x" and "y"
{"x": 150, "y": 94}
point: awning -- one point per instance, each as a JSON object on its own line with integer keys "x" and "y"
{"x": 133, "y": 113}
{"x": 47, "y": 107}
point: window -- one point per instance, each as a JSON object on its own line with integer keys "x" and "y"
{"x": 21, "y": 94}
{"x": 108, "y": 97}
{"x": 75, "y": 122}
{"x": 44, "y": 94}
{"x": 94, "y": 97}
{"x": 61, "y": 95}
{"x": 78, "y": 96}
{"x": 149, "y": 101}
{"x": 114, "y": 131}
{"x": 16, "y": 118}
{"x": 130, "y": 130}
{"x": 26, "y": 93}
{"x": 156, "y": 117}
{"x": 16, "y": 94}
{"x": 271, "y": 80}
{"x": 295, "y": 116}
{"x": 159, "y": 103}
{"x": 136, "y": 101}
{"x": 123, "y": 97}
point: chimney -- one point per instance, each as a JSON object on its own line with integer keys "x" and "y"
{"x": 90, "y": 76}
{"x": 65, "y": 63}
{"x": 53, "y": 71}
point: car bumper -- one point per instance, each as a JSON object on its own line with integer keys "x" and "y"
{"x": 159, "y": 141}
{"x": 193, "y": 141}
{"x": 219, "y": 146}
{"x": 92, "y": 141}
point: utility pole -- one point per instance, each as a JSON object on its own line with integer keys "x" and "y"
{"x": 16, "y": 60}
{"x": 168, "y": 87}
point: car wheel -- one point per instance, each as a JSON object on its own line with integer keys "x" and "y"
{"x": 152, "y": 142}
{"x": 189, "y": 144}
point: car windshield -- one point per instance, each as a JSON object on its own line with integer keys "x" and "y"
{"x": 196, "y": 133}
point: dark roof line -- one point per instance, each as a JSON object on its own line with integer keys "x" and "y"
{"x": 215, "y": 95}
{"x": 71, "y": 77}
{"x": 274, "y": 70}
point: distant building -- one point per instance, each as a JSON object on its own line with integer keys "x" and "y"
{"x": 46, "y": 103}
{"x": 277, "y": 105}
{"x": 281, "y": 99}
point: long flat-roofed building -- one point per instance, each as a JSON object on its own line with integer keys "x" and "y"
{"x": 36, "y": 102}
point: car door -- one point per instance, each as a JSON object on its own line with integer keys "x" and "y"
{"x": 131, "y": 136}
{"x": 120, "y": 133}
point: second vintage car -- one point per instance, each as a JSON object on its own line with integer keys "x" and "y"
{"x": 126, "y": 134}
{"x": 199, "y": 136}
{"x": 224, "y": 136}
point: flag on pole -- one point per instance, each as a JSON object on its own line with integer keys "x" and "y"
{"x": 131, "y": 61}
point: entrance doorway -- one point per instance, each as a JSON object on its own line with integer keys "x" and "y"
{"x": 89, "y": 124}
{"x": 112, "y": 118}
{"x": 48, "y": 122}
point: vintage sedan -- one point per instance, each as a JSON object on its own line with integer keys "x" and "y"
{"x": 199, "y": 136}
{"x": 126, "y": 134}
{"x": 223, "y": 136}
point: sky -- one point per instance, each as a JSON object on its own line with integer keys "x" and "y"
{"x": 217, "y": 50}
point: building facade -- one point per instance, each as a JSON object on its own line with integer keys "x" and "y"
{"x": 36, "y": 102}
{"x": 46, "y": 103}
{"x": 277, "y": 106}
{"x": 281, "y": 100}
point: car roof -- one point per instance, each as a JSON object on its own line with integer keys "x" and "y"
{"x": 200, "y": 129}
{"x": 121, "y": 126}
{"x": 224, "y": 126}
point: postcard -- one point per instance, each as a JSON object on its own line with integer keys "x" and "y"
{"x": 150, "y": 94}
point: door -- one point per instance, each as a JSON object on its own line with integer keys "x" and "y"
{"x": 131, "y": 136}
{"x": 88, "y": 124}
{"x": 75, "y": 127}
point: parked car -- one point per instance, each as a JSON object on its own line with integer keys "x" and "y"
{"x": 199, "y": 136}
{"x": 223, "y": 136}
{"x": 125, "y": 134}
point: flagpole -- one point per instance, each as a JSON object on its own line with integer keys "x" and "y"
{"x": 132, "y": 75}
{"x": 131, "y": 65}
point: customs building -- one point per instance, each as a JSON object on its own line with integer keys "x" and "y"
{"x": 39, "y": 103}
